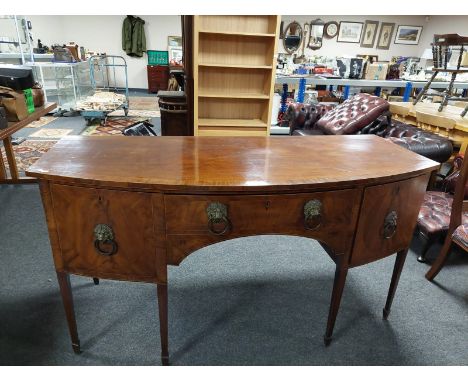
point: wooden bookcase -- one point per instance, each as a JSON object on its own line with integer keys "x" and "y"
{"x": 234, "y": 74}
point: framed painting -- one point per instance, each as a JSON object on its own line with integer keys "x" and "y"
{"x": 408, "y": 35}
{"x": 385, "y": 36}
{"x": 369, "y": 34}
{"x": 350, "y": 31}
{"x": 174, "y": 41}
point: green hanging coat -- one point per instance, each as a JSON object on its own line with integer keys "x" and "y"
{"x": 133, "y": 36}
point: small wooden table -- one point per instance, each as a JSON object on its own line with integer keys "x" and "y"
{"x": 112, "y": 215}
{"x": 447, "y": 123}
{"x": 6, "y": 134}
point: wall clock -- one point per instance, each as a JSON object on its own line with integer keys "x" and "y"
{"x": 331, "y": 29}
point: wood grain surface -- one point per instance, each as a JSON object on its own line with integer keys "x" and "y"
{"x": 78, "y": 210}
{"x": 405, "y": 199}
{"x": 229, "y": 164}
{"x": 187, "y": 221}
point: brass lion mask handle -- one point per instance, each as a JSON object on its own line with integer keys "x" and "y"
{"x": 312, "y": 214}
{"x": 104, "y": 242}
{"x": 390, "y": 224}
{"x": 218, "y": 216}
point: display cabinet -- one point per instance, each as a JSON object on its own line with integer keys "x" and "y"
{"x": 66, "y": 83}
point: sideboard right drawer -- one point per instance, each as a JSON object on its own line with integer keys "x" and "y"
{"x": 387, "y": 219}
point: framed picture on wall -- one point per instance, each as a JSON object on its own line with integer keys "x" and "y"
{"x": 385, "y": 36}
{"x": 369, "y": 34}
{"x": 174, "y": 41}
{"x": 350, "y": 31}
{"x": 408, "y": 35}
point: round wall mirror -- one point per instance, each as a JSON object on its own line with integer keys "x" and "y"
{"x": 316, "y": 34}
{"x": 292, "y": 37}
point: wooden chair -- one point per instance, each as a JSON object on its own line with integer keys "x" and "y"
{"x": 458, "y": 230}
{"x": 442, "y": 47}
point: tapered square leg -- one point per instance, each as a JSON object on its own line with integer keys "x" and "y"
{"x": 338, "y": 286}
{"x": 163, "y": 326}
{"x": 399, "y": 262}
{"x": 67, "y": 299}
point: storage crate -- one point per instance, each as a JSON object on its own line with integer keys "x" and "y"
{"x": 158, "y": 57}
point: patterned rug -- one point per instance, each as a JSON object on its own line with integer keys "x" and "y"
{"x": 114, "y": 126}
{"x": 42, "y": 121}
{"x": 136, "y": 113}
{"x": 144, "y": 103}
{"x": 51, "y": 133}
{"x": 28, "y": 152}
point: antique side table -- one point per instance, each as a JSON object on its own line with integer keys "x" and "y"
{"x": 115, "y": 216}
{"x": 6, "y": 134}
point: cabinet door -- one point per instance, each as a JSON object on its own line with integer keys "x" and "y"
{"x": 78, "y": 210}
{"x": 387, "y": 219}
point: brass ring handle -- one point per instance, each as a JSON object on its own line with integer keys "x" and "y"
{"x": 312, "y": 214}
{"x": 217, "y": 214}
{"x": 104, "y": 242}
{"x": 390, "y": 224}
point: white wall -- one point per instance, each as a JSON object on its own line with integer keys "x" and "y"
{"x": 333, "y": 48}
{"x": 104, "y": 34}
{"x": 443, "y": 25}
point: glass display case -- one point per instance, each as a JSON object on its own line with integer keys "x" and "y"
{"x": 67, "y": 83}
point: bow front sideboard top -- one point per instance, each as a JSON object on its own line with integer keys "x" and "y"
{"x": 125, "y": 208}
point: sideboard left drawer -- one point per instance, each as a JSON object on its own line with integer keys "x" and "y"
{"x": 126, "y": 215}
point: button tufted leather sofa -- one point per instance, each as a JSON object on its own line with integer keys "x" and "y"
{"x": 365, "y": 114}
{"x": 422, "y": 142}
{"x": 352, "y": 115}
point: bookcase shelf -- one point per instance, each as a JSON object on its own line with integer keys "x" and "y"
{"x": 240, "y": 66}
{"x": 233, "y": 95}
{"x": 234, "y": 74}
{"x": 239, "y": 33}
{"x": 232, "y": 122}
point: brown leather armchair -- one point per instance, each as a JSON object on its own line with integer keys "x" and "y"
{"x": 435, "y": 216}
{"x": 365, "y": 114}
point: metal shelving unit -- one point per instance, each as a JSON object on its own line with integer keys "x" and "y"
{"x": 15, "y": 34}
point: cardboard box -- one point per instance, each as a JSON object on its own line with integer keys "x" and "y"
{"x": 14, "y": 103}
{"x": 377, "y": 71}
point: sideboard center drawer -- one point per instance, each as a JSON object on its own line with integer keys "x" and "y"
{"x": 331, "y": 213}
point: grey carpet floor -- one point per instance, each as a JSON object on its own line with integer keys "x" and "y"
{"x": 251, "y": 301}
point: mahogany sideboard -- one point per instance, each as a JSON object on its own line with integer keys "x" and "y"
{"x": 112, "y": 215}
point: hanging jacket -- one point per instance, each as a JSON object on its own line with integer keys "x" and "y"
{"x": 133, "y": 36}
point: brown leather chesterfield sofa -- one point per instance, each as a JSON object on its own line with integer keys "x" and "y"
{"x": 365, "y": 114}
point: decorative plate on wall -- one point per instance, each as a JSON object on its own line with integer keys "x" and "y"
{"x": 331, "y": 29}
